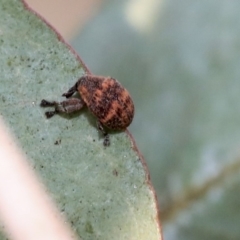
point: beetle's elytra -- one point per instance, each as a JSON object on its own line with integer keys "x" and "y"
{"x": 105, "y": 97}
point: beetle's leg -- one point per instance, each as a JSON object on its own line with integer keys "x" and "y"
{"x": 68, "y": 106}
{"x": 72, "y": 90}
{"x": 106, "y": 141}
{"x": 45, "y": 103}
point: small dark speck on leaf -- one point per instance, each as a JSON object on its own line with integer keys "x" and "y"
{"x": 115, "y": 172}
{"x": 58, "y": 142}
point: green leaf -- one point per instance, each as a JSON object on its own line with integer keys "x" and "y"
{"x": 180, "y": 60}
{"x": 104, "y": 192}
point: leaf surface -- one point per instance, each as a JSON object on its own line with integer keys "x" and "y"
{"x": 104, "y": 192}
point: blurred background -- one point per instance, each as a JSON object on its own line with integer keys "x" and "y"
{"x": 180, "y": 61}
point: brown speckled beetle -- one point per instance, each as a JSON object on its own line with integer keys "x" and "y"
{"x": 105, "y": 97}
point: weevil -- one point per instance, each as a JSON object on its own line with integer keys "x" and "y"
{"x": 106, "y": 99}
